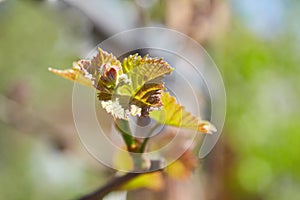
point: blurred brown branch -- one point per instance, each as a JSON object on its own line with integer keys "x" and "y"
{"x": 202, "y": 20}
{"x": 117, "y": 182}
{"x": 110, "y": 186}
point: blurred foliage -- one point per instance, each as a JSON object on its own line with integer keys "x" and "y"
{"x": 263, "y": 91}
{"x": 31, "y": 40}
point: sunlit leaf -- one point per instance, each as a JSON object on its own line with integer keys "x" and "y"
{"x": 177, "y": 170}
{"x": 152, "y": 181}
{"x": 172, "y": 113}
{"x": 100, "y": 72}
{"x": 145, "y": 86}
{"x": 142, "y": 70}
{"x": 75, "y": 74}
{"x": 183, "y": 167}
{"x": 133, "y": 88}
{"x": 103, "y": 58}
{"x": 149, "y": 94}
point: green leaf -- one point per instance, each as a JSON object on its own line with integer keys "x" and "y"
{"x": 145, "y": 85}
{"x": 142, "y": 70}
{"x": 173, "y": 114}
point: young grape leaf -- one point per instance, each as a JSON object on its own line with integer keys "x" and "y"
{"x": 145, "y": 86}
{"x": 142, "y": 70}
{"x": 103, "y": 58}
{"x": 149, "y": 94}
{"x": 172, "y": 113}
{"x": 75, "y": 74}
{"x": 100, "y": 72}
{"x": 131, "y": 88}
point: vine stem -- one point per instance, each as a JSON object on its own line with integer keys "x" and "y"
{"x": 143, "y": 146}
{"x": 124, "y": 128}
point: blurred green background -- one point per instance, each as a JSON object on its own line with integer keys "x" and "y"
{"x": 255, "y": 44}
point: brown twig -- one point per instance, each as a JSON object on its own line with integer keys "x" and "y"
{"x": 119, "y": 181}
{"x": 110, "y": 186}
